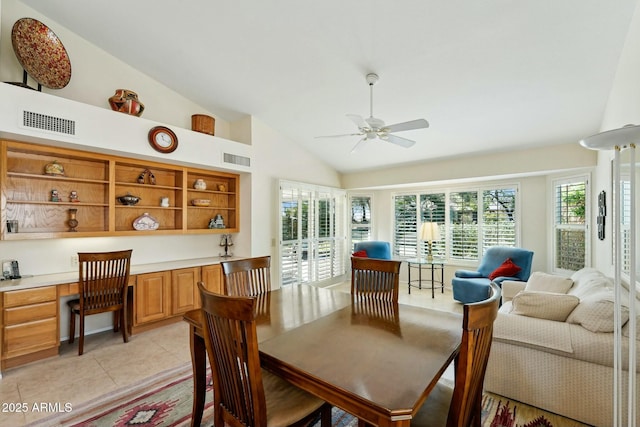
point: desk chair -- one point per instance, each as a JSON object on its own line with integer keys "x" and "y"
{"x": 247, "y": 277}
{"x": 244, "y": 394}
{"x": 374, "y": 279}
{"x": 460, "y": 406}
{"x": 103, "y": 282}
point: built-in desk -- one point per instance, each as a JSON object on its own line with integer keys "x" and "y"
{"x": 160, "y": 293}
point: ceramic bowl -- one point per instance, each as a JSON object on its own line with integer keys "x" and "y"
{"x": 200, "y": 202}
{"x": 128, "y": 200}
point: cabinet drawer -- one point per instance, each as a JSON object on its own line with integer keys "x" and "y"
{"x": 30, "y": 337}
{"x": 29, "y": 296}
{"x": 29, "y": 313}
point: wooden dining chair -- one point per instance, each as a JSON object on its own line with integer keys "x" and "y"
{"x": 247, "y": 277}
{"x": 374, "y": 279}
{"x": 461, "y": 406}
{"x": 245, "y": 395}
{"x": 103, "y": 281}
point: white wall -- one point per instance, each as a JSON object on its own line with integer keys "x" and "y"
{"x": 95, "y": 76}
{"x": 622, "y": 108}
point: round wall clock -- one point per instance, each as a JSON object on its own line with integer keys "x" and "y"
{"x": 163, "y": 139}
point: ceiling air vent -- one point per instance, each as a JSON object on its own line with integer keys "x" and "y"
{"x": 236, "y": 160}
{"x": 48, "y": 123}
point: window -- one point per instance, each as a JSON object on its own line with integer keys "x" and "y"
{"x": 360, "y": 218}
{"x": 405, "y": 233}
{"x": 570, "y": 235}
{"x": 312, "y": 233}
{"x": 469, "y": 221}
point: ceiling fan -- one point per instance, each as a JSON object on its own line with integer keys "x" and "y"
{"x": 373, "y": 128}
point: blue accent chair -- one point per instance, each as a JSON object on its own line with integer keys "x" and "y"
{"x": 374, "y": 248}
{"x": 473, "y": 286}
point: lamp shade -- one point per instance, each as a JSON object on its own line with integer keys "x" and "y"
{"x": 429, "y": 231}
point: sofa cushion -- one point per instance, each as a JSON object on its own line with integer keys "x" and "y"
{"x": 596, "y": 310}
{"x": 545, "y": 282}
{"x": 542, "y": 333}
{"x": 544, "y": 305}
{"x": 507, "y": 269}
{"x": 588, "y": 281}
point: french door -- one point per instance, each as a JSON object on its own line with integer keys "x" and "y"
{"x": 312, "y": 233}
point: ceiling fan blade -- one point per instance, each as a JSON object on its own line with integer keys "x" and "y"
{"x": 394, "y": 139}
{"x": 338, "y": 136}
{"x": 413, "y": 124}
{"x": 358, "y": 120}
{"x": 358, "y": 145}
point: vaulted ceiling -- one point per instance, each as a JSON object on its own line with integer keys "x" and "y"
{"x": 488, "y": 75}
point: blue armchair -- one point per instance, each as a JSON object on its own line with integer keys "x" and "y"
{"x": 374, "y": 248}
{"x": 473, "y": 286}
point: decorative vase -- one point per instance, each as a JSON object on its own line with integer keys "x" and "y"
{"x": 199, "y": 184}
{"x": 126, "y": 101}
{"x": 73, "y": 222}
{"x": 54, "y": 168}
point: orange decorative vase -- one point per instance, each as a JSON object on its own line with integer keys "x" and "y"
{"x": 126, "y": 101}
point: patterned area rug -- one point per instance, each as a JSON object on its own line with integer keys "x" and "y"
{"x": 166, "y": 401}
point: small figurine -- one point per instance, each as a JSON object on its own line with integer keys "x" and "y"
{"x": 73, "y": 197}
{"x": 54, "y": 196}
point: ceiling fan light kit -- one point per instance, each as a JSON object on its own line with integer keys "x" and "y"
{"x": 374, "y": 128}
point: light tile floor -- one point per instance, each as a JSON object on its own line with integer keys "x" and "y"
{"x": 109, "y": 365}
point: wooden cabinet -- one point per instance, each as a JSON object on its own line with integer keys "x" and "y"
{"x": 212, "y": 279}
{"x": 152, "y": 297}
{"x": 29, "y": 325}
{"x": 184, "y": 290}
{"x": 41, "y": 203}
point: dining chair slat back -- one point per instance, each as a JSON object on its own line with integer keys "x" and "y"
{"x": 103, "y": 282}
{"x": 374, "y": 279}
{"x": 242, "y": 390}
{"x": 462, "y": 406}
{"x": 247, "y": 277}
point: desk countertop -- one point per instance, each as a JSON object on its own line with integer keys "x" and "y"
{"x": 72, "y": 276}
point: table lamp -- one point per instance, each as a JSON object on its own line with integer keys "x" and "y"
{"x": 429, "y": 231}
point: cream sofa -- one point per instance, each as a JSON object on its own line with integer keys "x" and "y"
{"x": 553, "y": 345}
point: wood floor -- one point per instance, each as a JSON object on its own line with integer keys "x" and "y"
{"x": 108, "y": 364}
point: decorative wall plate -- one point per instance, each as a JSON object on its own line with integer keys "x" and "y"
{"x": 145, "y": 222}
{"x": 41, "y": 53}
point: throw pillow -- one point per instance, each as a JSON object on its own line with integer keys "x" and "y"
{"x": 362, "y": 253}
{"x": 595, "y": 312}
{"x": 544, "y": 305}
{"x": 506, "y": 269}
{"x": 626, "y": 329}
{"x": 544, "y": 282}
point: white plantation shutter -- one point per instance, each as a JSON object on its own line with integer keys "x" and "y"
{"x": 405, "y": 242}
{"x": 570, "y": 227}
{"x": 433, "y": 209}
{"x": 463, "y": 217}
{"x": 498, "y": 220}
{"x": 468, "y": 221}
{"x": 312, "y": 233}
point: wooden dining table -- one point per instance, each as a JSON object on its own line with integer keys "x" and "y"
{"x": 379, "y": 369}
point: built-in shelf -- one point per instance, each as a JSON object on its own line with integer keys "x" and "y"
{"x": 98, "y": 180}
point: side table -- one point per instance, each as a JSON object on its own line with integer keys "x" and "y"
{"x": 437, "y": 273}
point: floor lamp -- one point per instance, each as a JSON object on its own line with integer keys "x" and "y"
{"x": 623, "y": 142}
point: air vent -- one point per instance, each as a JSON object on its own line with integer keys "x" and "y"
{"x": 48, "y": 123}
{"x": 236, "y": 160}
